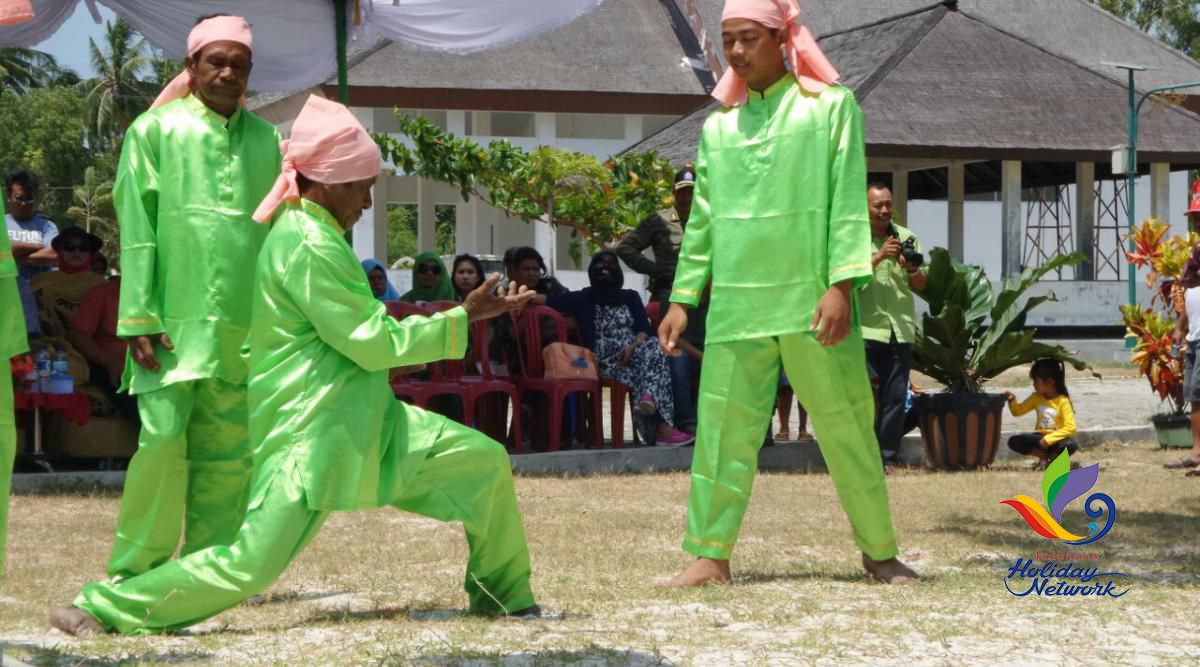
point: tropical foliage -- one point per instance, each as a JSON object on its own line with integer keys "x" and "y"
{"x": 1155, "y": 354}
{"x": 24, "y": 69}
{"x": 971, "y": 335}
{"x": 598, "y": 202}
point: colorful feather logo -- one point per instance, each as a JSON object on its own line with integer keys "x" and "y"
{"x": 1060, "y": 487}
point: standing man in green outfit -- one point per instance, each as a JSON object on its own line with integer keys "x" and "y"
{"x": 781, "y": 173}
{"x": 192, "y": 170}
{"x": 328, "y": 433}
{"x": 12, "y": 343}
{"x": 889, "y": 320}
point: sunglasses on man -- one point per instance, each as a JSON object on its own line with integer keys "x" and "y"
{"x": 27, "y": 199}
{"x": 430, "y": 268}
{"x": 74, "y": 247}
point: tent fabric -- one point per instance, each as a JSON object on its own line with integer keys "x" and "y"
{"x": 294, "y": 45}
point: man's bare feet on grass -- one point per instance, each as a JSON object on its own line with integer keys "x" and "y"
{"x": 890, "y": 571}
{"x": 75, "y": 621}
{"x": 702, "y": 572}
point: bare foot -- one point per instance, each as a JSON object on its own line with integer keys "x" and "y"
{"x": 890, "y": 571}
{"x": 75, "y": 621}
{"x": 701, "y": 572}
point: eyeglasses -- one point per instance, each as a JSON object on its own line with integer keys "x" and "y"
{"x": 430, "y": 268}
{"x": 27, "y": 199}
{"x": 73, "y": 247}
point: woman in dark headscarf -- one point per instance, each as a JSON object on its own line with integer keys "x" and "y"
{"x": 430, "y": 280}
{"x": 614, "y": 325}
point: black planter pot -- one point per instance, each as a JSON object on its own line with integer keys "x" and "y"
{"x": 960, "y": 431}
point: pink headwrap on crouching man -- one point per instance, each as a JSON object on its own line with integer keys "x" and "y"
{"x": 328, "y": 145}
{"x": 812, "y": 69}
{"x": 215, "y": 29}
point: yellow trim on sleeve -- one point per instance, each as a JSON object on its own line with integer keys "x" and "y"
{"x": 139, "y": 320}
{"x": 850, "y": 267}
{"x": 686, "y": 292}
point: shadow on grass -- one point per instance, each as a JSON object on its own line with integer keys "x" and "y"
{"x": 56, "y": 656}
{"x": 814, "y": 576}
{"x": 406, "y": 612}
{"x": 594, "y": 655}
{"x": 293, "y": 596}
{"x": 1134, "y": 531}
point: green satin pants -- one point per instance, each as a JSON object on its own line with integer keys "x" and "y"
{"x": 464, "y": 477}
{"x": 738, "y": 385}
{"x": 8, "y": 452}
{"x": 191, "y": 470}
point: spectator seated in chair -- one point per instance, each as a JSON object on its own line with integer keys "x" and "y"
{"x": 60, "y": 293}
{"x": 613, "y": 324}
{"x": 93, "y": 333}
{"x": 377, "y": 277}
{"x": 430, "y": 281}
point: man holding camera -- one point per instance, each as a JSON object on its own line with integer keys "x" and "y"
{"x": 889, "y": 320}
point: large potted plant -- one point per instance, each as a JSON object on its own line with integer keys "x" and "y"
{"x": 970, "y": 335}
{"x": 1154, "y": 353}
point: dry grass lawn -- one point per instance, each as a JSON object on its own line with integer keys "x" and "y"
{"x": 384, "y": 587}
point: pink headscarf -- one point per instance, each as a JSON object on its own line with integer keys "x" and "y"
{"x": 810, "y": 66}
{"x": 328, "y": 145}
{"x": 15, "y": 11}
{"x": 216, "y": 29}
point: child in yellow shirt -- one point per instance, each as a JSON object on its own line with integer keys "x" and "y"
{"x": 1055, "y": 415}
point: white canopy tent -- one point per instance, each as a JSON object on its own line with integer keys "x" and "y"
{"x": 302, "y": 43}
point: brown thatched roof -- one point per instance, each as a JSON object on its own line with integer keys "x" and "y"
{"x": 627, "y": 48}
{"x": 943, "y": 84}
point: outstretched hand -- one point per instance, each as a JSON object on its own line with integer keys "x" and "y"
{"x": 486, "y": 301}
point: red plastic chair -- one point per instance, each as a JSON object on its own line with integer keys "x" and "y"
{"x": 654, "y": 312}
{"x": 421, "y": 392}
{"x": 476, "y": 386}
{"x": 556, "y": 390}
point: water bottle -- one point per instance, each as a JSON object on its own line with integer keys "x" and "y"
{"x": 60, "y": 365}
{"x": 43, "y": 363}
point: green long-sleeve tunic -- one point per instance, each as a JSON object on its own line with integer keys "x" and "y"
{"x": 779, "y": 213}
{"x": 320, "y": 347}
{"x": 187, "y": 183}
{"x": 12, "y": 317}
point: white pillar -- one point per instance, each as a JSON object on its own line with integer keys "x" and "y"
{"x": 456, "y": 122}
{"x": 426, "y": 219}
{"x": 1010, "y": 218}
{"x": 956, "y": 174}
{"x": 633, "y": 129}
{"x": 464, "y": 229}
{"x": 544, "y": 237}
{"x": 900, "y": 195}
{"x": 1160, "y": 191}
{"x": 1085, "y": 219}
{"x": 368, "y": 238}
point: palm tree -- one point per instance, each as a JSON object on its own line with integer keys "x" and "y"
{"x": 93, "y": 204}
{"x": 93, "y": 210}
{"x": 22, "y": 69}
{"x": 116, "y": 96}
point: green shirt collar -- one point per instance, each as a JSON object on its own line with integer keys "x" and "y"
{"x": 317, "y": 211}
{"x": 772, "y": 90}
{"x": 200, "y": 109}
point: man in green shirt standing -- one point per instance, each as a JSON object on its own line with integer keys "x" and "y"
{"x": 779, "y": 225}
{"x": 889, "y": 321}
{"x": 192, "y": 170}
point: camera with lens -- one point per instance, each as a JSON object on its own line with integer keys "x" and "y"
{"x": 908, "y": 250}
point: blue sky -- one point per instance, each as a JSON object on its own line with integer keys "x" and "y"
{"x": 70, "y": 44}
